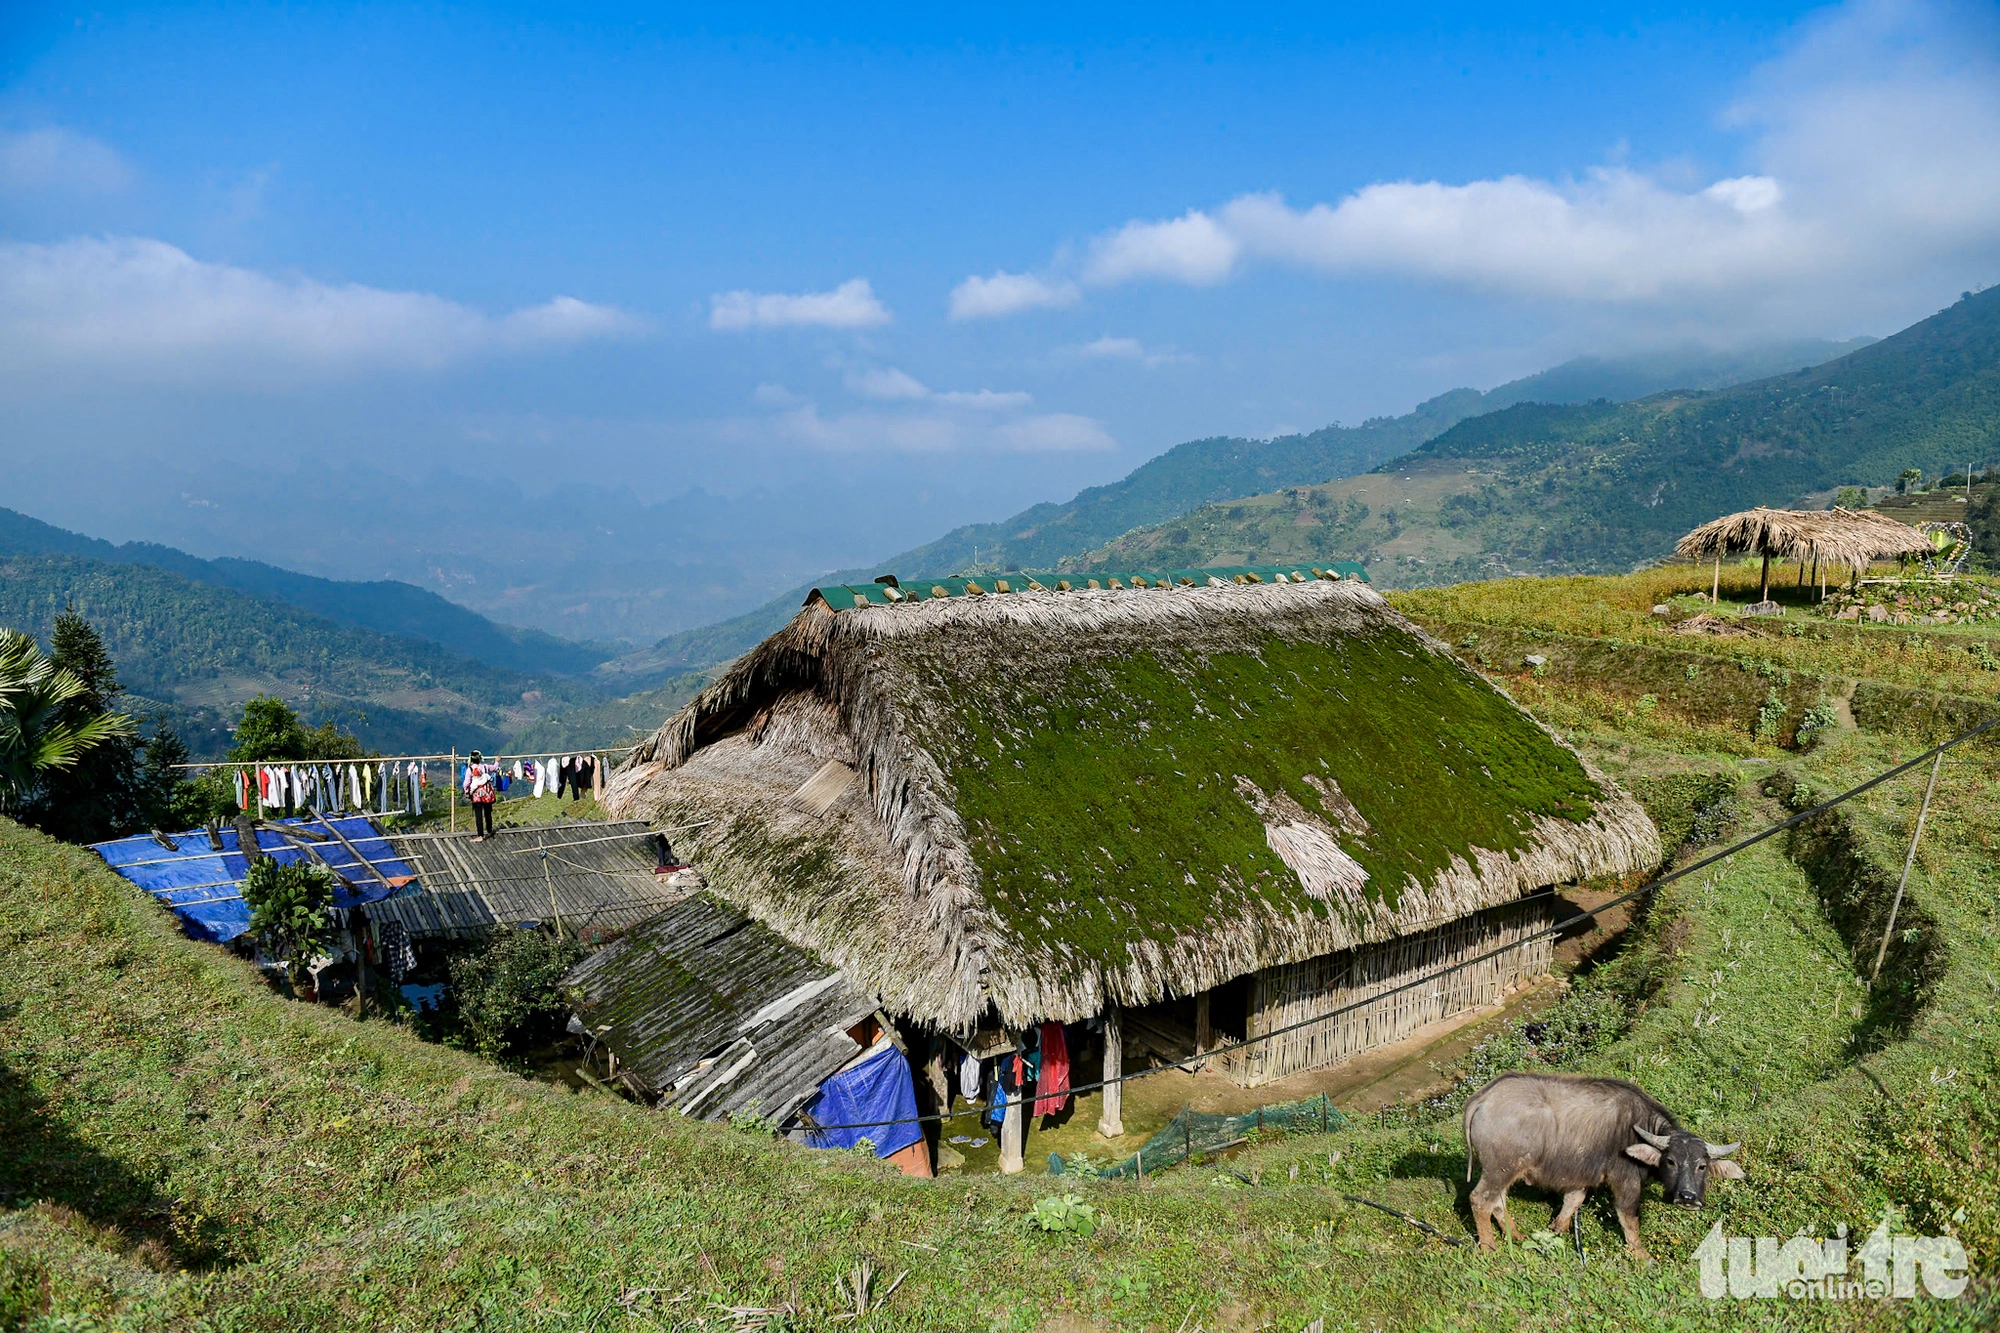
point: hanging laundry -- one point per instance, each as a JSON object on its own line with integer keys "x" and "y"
{"x": 970, "y": 1076}
{"x": 1052, "y": 1081}
{"x": 397, "y": 955}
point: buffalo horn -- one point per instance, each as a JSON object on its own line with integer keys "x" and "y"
{"x": 1657, "y": 1140}
{"x": 1722, "y": 1149}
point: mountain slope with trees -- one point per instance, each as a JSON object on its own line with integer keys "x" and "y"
{"x": 1203, "y": 472}
{"x": 384, "y": 605}
{"x": 1593, "y": 487}
{"x": 193, "y": 654}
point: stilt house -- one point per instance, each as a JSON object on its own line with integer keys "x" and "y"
{"x": 1181, "y": 805}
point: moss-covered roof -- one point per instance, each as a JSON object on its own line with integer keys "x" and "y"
{"x": 1064, "y": 799}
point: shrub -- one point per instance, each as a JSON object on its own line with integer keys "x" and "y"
{"x": 1771, "y": 716}
{"x": 508, "y": 993}
{"x": 1818, "y": 720}
{"x": 290, "y": 908}
{"x": 1065, "y": 1213}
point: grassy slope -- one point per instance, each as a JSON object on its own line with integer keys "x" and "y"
{"x": 202, "y": 651}
{"x": 1596, "y": 486}
{"x": 347, "y": 1176}
{"x": 383, "y": 605}
{"x": 1204, "y": 472}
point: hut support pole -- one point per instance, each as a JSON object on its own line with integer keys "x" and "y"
{"x": 1715, "y": 593}
{"x": 1111, "y": 1118}
{"x": 1204, "y": 1028}
{"x": 1765, "y": 595}
{"x": 1013, "y": 1130}
{"x": 452, "y": 778}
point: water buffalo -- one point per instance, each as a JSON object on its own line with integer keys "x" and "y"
{"x": 1573, "y": 1134}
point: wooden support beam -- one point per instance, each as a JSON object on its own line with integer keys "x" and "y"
{"x": 1111, "y": 1118}
{"x": 1013, "y": 1133}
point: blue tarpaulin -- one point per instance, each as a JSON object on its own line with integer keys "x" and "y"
{"x": 205, "y": 887}
{"x": 876, "y": 1089}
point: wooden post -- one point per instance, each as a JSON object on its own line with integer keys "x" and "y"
{"x": 1204, "y": 1029}
{"x": 1111, "y": 1117}
{"x": 1715, "y": 593}
{"x": 1923, "y": 811}
{"x": 1013, "y": 1132}
{"x": 452, "y": 778}
{"x": 1765, "y": 595}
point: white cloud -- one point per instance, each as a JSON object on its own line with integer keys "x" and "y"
{"x": 852, "y": 305}
{"x": 1007, "y": 294}
{"x": 1056, "y": 432}
{"x": 1108, "y": 348}
{"x": 1874, "y": 148}
{"x": 1194, "y": 249}
{"x": 54, "y": 160}
{"x": 137, "y": 309}
{"x": 987, "y": 400}
{"x": 888, "y": 383}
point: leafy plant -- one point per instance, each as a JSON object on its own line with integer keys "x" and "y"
{"x": 1818, "y": 719}
{"x": 1771, "y": 716}
{"x": 39, "y": 733}
{"x": 1063, "y": 1213}
{"x": 509, "y": 991}
{"x": 290, "y": 909}
{"x": 751, "y": 1119}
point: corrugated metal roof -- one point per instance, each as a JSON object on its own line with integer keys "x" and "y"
{"x": 582, "y": 875}
{"x": 715, "y": 1011}
{"x": 844, "y": 596}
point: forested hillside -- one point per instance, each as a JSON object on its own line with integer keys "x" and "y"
{"x": 194, "y": 653}
{"x": 383, "y": 604}
{"x": 1601, "y": 486}
{"x": 1202, "y": 472}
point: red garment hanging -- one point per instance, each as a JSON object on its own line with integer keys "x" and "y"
{"x": 1052, "y": 1084}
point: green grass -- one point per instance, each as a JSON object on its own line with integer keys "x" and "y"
{"x": 181, "y": 1148}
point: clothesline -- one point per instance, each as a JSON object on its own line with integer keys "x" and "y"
{"x": 411, "y": 758}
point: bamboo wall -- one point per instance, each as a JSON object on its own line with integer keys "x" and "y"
{"x": 1282, "y": 996}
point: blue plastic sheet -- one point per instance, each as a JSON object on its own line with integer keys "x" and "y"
{"x": 875, "y": 1090}
{"x": 205, "y": 887}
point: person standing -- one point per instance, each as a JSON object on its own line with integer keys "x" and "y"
{"x": 482, "y": 788}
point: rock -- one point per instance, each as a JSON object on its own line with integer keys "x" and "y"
{"x": 1763, "y": 609}
{"x": 1848, "y": 613}
{"x": 1663, "y": 610}
{"x": 1878, "y": 613}
{"x": 1537, "y": 660}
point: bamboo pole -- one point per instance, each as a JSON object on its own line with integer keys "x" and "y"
{"x": 1923, "y": 812}
{"x": 1715, "y": 593}
{"x": 452, "y": 778}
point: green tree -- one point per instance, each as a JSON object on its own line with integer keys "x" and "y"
{"x": 271, "y": 731}
{"x": 509, "y": 993}
{"x": 40, "y": 732}
{"x": 102, "y": 795}
{"x": 290, "y": 909}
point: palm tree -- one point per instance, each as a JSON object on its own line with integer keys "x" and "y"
{"x": 35, "y": 734}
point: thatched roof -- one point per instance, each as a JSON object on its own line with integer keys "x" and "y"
{"x": 1851, "y": 538}
{"x": 1049, "y": 801}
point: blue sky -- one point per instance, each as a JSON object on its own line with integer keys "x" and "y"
{"x": 917, "y": 266}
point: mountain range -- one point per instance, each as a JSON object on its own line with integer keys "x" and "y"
{"x": 1593, "y": 487}
{"x": 1198, "y": 473}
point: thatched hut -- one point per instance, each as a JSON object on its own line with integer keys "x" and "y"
{"x": 1828, "y": 538}
{"x": 1264, "y": 799}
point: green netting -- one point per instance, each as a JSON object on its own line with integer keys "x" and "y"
{"x": 1194, "y": 1131}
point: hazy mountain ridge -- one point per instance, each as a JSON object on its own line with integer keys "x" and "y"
{"x": 384, "y": 605}
{"x": 1600, "y": 487}
{"x": 1190, "y": 476}
{"x": 194, "y": 653}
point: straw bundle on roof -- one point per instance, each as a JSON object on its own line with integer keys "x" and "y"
{"x": 1065, "y": 800}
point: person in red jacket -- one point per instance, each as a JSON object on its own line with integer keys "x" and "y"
{"x": 482, "y": 788}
